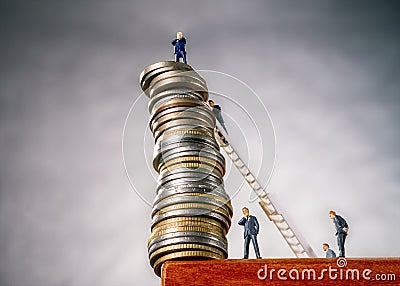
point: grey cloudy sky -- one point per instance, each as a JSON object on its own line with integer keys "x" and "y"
{"x": 328, "y": 72}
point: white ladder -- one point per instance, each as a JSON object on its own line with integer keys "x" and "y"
{"x": 297, "y": 243}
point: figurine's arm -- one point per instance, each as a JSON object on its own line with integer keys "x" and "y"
{"x": 257, "y": 225}
{"x": 341, "y": 224}
{"x": 345, "y": 226}
{"x": 242, "y": 221}
{"x": 183, "y": 40}
{"x": 174, "y": 42}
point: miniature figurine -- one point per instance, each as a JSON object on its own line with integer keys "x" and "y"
{"x": 216, "y": 109}
{"x": 180, "y": 51}
{"x": 342, "y": 229}
{"x": 329, "y": 252}
{"x": 251, "y": 229}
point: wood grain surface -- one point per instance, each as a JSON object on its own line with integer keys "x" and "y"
{"x": 289, "y": 271}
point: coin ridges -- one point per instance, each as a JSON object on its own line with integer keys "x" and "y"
{"x": 191, "y": 213}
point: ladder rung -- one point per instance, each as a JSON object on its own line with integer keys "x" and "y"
{"x": 266, "y": 204}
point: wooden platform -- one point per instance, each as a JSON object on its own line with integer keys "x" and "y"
{"x": 303, "y": 271}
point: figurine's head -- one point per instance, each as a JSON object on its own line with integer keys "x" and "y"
{"x": 332, "y": 214}
{"x": 325, "y": 246}
{"x": 179, "y": 35}
{"x": 211, "y": 103}
{"x": 245, "y": 211}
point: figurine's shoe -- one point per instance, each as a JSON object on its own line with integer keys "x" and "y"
{"x": 259, "y": 257}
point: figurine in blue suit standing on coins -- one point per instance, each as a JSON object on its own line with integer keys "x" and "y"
{"x": 180, "y": 50}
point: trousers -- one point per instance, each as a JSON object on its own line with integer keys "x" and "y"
{"x": 341, "y": 238}
{"x": 179, "y": 55}
{"x": 253, "y": 238}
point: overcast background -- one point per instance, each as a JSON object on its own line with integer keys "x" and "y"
{"x": 328, "y": 72}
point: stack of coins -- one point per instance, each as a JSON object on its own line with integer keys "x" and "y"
{"x": 191, "y": 212}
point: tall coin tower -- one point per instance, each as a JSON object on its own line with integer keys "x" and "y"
{"x": 191, "y": 212}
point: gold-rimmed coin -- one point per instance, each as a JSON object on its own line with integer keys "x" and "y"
{"x": 158, "y": 232}
{"x": 191, "y": 166}
{"x": 188, "y": 220}
{"x": 202, "y": 206}
{"x": 214, "y": 227}
{"x": 183, "y": 247}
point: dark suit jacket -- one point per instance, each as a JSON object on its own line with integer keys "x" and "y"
{"x": 179, "y": 45}
{"x": 217, "y": 112}
{"x": 251, "y": 225}
{"x": 340, "y": 223}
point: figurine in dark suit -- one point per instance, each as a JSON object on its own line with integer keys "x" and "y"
{"x": 329, "y": 252}
{"x": 342, "y": 229}
{"x": 216, "y": 109}
{"x": 251, "y": 229}
{"x": 179, "y": 44}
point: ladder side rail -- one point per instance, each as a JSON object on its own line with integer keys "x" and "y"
{"x": 296, "y": 243}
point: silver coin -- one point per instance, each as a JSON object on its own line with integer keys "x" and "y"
{"x": 176, "y": 180}
{"x": 216, "y": 242}
{"x": 186, "y": 240}
{"x": 167, "y": 193}
{"x": 184, "y": 234}
{"x": 199, "y": 171}
{"x": 204, "y": 152}
{"x": 162, "y": 144}
{"x": 163, "y": 64}
{"x": 194, "y": 212}
{"x": 182, "y": 111}
{"x": 198, "y": 186}
{"x": 202, "y": 209}
{"x": 208, "y": 153}
{"x": 191, "y": 199}
{"x": 191, "y": 139}
{"x": 181, "y": 82}
{"x": 193, "y": 146}
{"x": 182, "y": 183}
{"x": 226, "y": 222}
{"x": 163, "y": 97}
{"x": 161, "y": 148}
{"x": 178, "y": 101}
{"x": 156, "y": 116}
{"x": 179, "y": 76}
{"x": 197, "y": 154}
{"x": 153, "y": 256}
{"x": 158, "y": 134}
{"x": 194, "y": 149}
{"x": 201, "y": 147}
{"x": 149, "y": 73}
{"x": 190, "y": 175}
{"x": 146, "y": 80}
{"x": 205, "y": 190}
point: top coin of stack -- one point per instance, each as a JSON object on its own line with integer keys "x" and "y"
{"x": 191, "y": 211}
